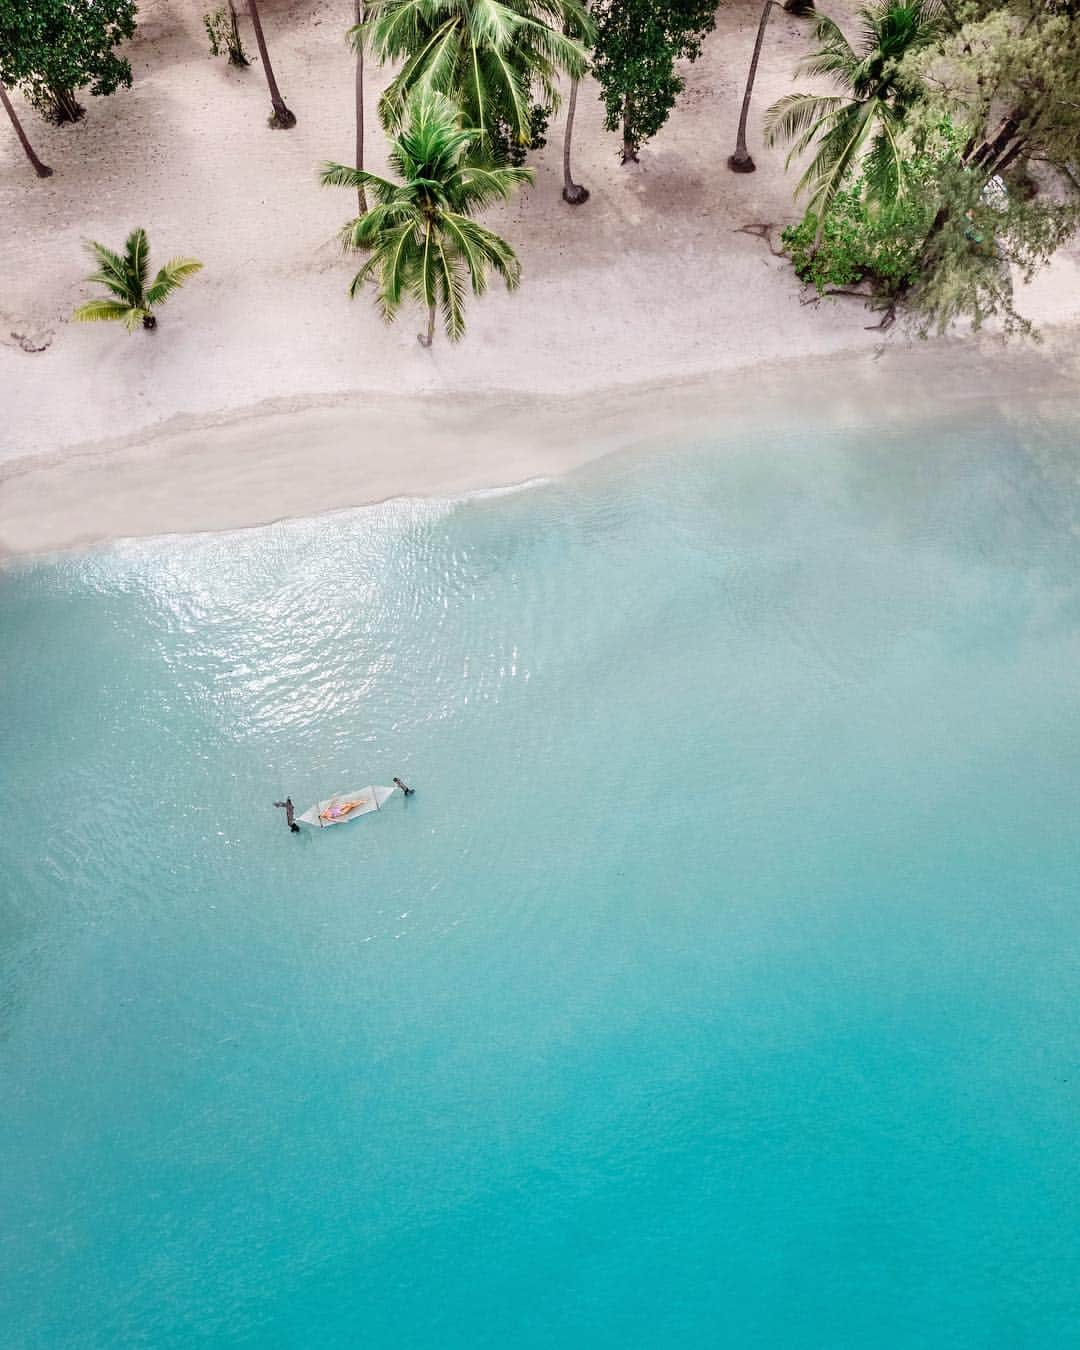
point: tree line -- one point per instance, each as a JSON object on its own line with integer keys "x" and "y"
{"x": 946, "y": 155}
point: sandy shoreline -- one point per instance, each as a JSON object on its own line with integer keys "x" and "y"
{"x": 647, "y": 314}
{"x": 301, "y": 457}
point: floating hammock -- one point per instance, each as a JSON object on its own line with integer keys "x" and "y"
{"x": 346, "y": 806}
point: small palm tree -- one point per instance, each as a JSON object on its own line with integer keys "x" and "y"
{"x": 493, "y": 57}
{"x": 131, "y": 299}
{"x": 419, "y": 232}
{"x": 865, "y": 118}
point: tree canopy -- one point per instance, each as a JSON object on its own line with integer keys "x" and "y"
{"x": 1007, "y": 72}
{"x": 862, "y": 122}
{"x": 637, "y": 45}
{"x": 52, "y": 48}
{"x": 419, "y": 233}
{"x": 499, "y": 60}
{"x": 973, "y": 174}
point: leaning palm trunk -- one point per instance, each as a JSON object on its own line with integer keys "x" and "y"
{"x": 358, "y": 40}
{"x": 281, "y": 118}
{"x": 572, "y": 192}
{"x": 742, "y": 161}
{"x": 42, "y": 170}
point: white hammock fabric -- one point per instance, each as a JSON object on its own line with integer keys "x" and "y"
{"x": 346, "y": 806}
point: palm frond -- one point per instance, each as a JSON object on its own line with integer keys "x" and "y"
{"x": 885, "y": 166}
{"x": 837, "y": 153}
{"x": 477, "y": 187}
{"x": 832, "y": 39}
{"x": 175, "y": 272}
{"x": 137, "y": 256}
{"x": 394, "y": 27}
{"x": 515, "y": 91}
{"x": 341, "y": 175}
{"x": 366, "y": 230}
{"x": 121, "y": 289}
{"x": 457, "y": 229}
{"x": 368, "y": 268}
{"x": 791, "y": 117}
{"x": 560, "y": 51}
{"x": 452, "y": 296}
{"x": 494, "y": 250}
{"x": 434, "y": 55}
{"x": 99, "y": 311}
{"x": 399, "y": 250}
{"x": 112, "y": 271}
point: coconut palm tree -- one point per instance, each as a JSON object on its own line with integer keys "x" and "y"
{"x": 420, "y": 235}
{"x": 862, "y": 122}
{"x": 131, "y": 299}
{"x": 42, "y": 170}
{"x": 281, "y": 119}
{"x": 493, "y": 57}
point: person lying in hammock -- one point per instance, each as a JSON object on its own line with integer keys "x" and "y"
{"x": 341, "y": 810}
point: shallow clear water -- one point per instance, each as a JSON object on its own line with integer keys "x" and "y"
{"x": 719, "y": 985}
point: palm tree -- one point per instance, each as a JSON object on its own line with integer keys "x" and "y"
{"x": 419, "y": 232}
{"x": 867, "y": 115}
{"x": 131, "y": 299}
{"x": 493, "y": 57}
{"x": 281, "y": 119}
{"x": 42, "y": 170}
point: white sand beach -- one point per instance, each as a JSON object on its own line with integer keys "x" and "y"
{"x": 265, "y": 392}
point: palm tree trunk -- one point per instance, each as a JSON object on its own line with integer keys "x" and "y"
{"x": 629, "y": 148}
{"x": 572, "y": 192}
{"x": 42, "y": 170}
{"x": 361, "y": 196}
{"x": 281, "y": 118}
{"x": 424, "y": 339}
{"x": 742, "y": 161}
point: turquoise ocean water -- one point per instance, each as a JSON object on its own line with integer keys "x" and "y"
{"x": 719, "y": 986}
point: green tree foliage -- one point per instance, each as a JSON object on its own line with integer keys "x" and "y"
{"x": 944, "y": 234}
{"x": 53, "y": 48}
{"x": 637, "y": 45}
{"x": 132, "y": 296}
{"x": 223, "y": 34}
{"x": 498, "y": 59}
{"x": 861, "y": 239}
{"x": 1008, "y": 73}
{"x": 420, "y": 235}
{"x": 863, "y": 122}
